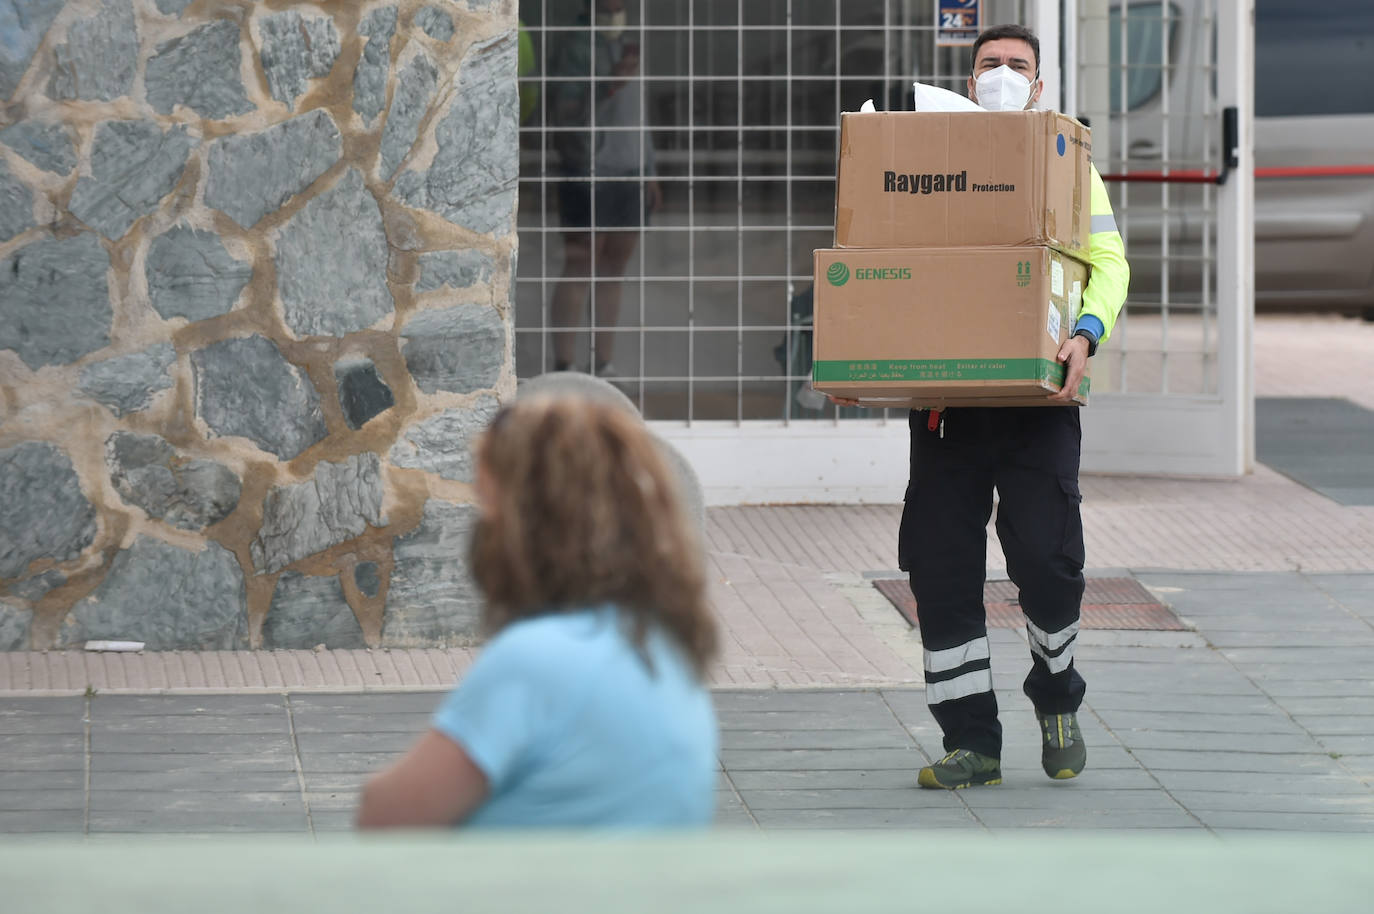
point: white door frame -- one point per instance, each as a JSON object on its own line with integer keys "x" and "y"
{"x": 1180, "y": 435}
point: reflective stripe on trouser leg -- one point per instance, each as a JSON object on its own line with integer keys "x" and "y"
{"x": 958, "y": 672}
{"x": 1055, "y": 648}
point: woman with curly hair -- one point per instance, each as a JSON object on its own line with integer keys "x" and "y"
{"x": 587, "y": 706}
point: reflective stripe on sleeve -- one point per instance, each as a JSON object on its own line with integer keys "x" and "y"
{"x": 1103, "y": 223}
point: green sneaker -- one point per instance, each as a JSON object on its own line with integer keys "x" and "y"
{"x": 961, "y": 768}
{"x": 1063, "y": 754}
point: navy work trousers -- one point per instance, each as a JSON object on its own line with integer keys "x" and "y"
{"x": 1030, "y": 455}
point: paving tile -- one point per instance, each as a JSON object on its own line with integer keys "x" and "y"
{"x": 65, "y": 821}
{"x": 892, "y": 737}
{"x": 1104, "y": 701}
{"x": 73, "y": 779}
{"x": 347, "y": 762}
{"x": 823, "y": 779}
{"x": 106, "y": 744}
{"x": 1062, "y": 798}
{"x": 196, "y": 780}
{"x": 186, "y": 724}
{"x": 1348, "y": 744}
{"x": 382, "y": 721}
{"x": 45, "y": 705}
{"x": 950, "y": 816}
{"x": 1080, "y": 820}
{"x": 321, "y": 743}
{"x": 1260, "y": 784}
{"x": 908, "y": 797}
{"x": 336, "y": 781}
{"x": 332, "y": 801}
{"x": 178, "y": 821}
{"x": 148, "y": 705}
{"x": 877, "y": 718}
{"x": 40, "y": 724}
{"x": 1158, "y": 760}
{"x": 1275, "y": 721}
{"x": 210, "y": 763}
{"x": 369, "y": 703}
{"x": 820, "y": 759}
{"x": 333, "y": 821}
{"x": 832, "y": 701}
{"x": 193, "y": 801}
{"x": 1293, "y": 803}
{"x": 42, "y": 799}
{"x": 1238, "y": 743}
{"x": 1286, "y": 821}
{"x": 1323, "y": 725}
{"x": 734, "y": 819}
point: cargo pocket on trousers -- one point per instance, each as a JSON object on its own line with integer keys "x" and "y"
{"x": 1072, "y": 537}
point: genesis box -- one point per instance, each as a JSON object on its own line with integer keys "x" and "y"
{"x": 939, "y": 327}
{"x": 912, "y": 179}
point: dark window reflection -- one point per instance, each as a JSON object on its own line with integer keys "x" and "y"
{"x": 678, "y": 164}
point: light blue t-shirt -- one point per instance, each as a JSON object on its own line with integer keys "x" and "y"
{"x": 573, "y": 729}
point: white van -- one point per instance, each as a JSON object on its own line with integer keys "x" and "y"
{"x": 1314, "y": 146}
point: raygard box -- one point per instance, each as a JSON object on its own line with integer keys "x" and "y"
{"x": 939, "y": 327}
{"x": 941, "y": 179}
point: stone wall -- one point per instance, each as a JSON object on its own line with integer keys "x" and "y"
{"x": 255, "y": 273}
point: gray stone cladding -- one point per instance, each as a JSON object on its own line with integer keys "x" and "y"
{"x": 43, "y": 512}
{"x": 191, "y": 275}
{"x": 134, "y": 165}
{"x": 168, "y": 598}
{"x": 246, "y": 387}
{"x": 336, "y": 505}
{"x": 472, "y": 179}
{"x": 256, "y": 273}
{"x": 149, "y": 473}
{"x": 443, "y": 444}
{"x": 333, "y": 283}
{"x": 49, "y": 146}
{"x": 56, "y": 299}
{"x": 432, "y": 600}
{"x": 296, "y": 50}
{"x": 253, "y": 174}
{"x": 200, "y": 71}
{"x": 309, "y": 611}
{"x": 100, "y": 57}
{"x": 128, "y": 383}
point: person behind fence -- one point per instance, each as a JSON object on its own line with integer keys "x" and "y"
{"x": 587, "y": 707}
{"x": 1031, "y": 456}
{"x": 607, "y": 188}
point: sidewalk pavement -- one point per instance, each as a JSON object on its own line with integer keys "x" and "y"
{"x": 1261, "y": 716}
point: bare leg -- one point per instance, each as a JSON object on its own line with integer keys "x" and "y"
{"x": 570, "y": 295}
{"x": 613, "y": 251}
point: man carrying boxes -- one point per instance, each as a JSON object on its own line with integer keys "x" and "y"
{"x": 977, "y": 267}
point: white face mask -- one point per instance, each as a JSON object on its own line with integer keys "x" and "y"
{"x": 612, "y": 25}
{"x": 1003, "y": 89}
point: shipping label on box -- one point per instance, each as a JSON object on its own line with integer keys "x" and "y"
{"x": 921, "y": 327}
{"x": 951, "y": 179}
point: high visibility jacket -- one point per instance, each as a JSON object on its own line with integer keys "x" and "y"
{"x": 1111, "y": 275}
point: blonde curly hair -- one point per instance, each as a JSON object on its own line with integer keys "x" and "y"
{"x": 580, "y": 509}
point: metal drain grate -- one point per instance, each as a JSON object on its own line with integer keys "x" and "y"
{"x": 1108, "y": 603}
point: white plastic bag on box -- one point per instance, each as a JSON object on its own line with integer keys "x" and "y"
{"x": 933, "y": 98}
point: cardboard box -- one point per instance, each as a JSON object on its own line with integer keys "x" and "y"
{"x": 938, "y": 179}
{"x": 936, "y": 327}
